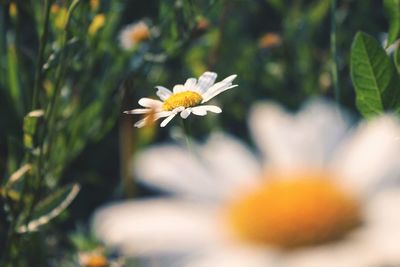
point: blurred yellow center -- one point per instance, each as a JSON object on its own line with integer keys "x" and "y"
{"x": 96, "y": 261}
{"x": 183, "y": 99}
{"x": 140, "y": 33}
{"x": 293, "y": 213}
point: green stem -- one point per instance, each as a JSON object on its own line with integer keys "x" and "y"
{"x": 334, "y": 67}
{"x": 50, "y": 114}
{"x": 187, "y": 131}
{"x": 40, "y": 60}
{"x": 11, "y": 236}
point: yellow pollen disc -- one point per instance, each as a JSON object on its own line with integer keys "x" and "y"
{"x": 183, "y": 99}
{"x": 293, "y": 213}
{"x": 96, "y": 261}
{"x": 140, "y": 33}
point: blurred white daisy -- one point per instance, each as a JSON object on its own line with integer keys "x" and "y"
{"x": 133, "y": 34}
{"x": 322, "y": 195}
{"x": 184, "y": 99}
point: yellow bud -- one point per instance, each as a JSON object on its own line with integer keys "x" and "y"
{"x": 97, "y": 23}
{"x": 61, "y": 18}
{"x": 94, "y": 4}
{"x": 13, "y": 10}
{"x": 54, "y": 9}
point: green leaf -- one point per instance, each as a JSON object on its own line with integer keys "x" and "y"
{"x": 396, "y": 57}
{"x": 12, "y": 73}
{"x": 374, "y": 77}
{"x": 50, "y": 207}
{"x": 392, "y": 10}
{"x": 318, "y": 11}
{"x": 278, "y": 5}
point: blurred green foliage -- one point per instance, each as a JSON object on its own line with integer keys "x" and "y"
{"x": 64, "y": 80}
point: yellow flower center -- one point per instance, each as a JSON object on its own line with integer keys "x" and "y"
{"x": 95, "y": 261}
{"x": 183, "y": 99}
{"x": 293, "y": 213}
{"x": 140, "y": 33}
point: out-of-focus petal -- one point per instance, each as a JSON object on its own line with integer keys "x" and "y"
{"x": 176, "y": 170}
{"x": 305, "y": 140}
{"x": 233, "y": 165}
{"x": 156, "y": 227}
{"x": 235, "y": 257}
{"x": 343, "y": 254}
{"x": 138, "y": 111}
{"x": 369, "y": 159}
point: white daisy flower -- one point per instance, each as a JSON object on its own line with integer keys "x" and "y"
{"x": 322, "y": 195}
{"x": 134, "y": 34}
{"x": 184, "y": 99}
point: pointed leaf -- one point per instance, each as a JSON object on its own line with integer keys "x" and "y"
{"x": 374, "y": 77}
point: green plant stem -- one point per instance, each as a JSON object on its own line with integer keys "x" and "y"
{"x": 40, "y": 59}
{"x": 187, "y": 132}
{"x": 11, "y": 235}
{"x": 50, "y": 115}
{"x": 334, "y": 65}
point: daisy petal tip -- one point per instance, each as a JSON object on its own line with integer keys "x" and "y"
{"x": 231, "y": 77}
{"x": 211, "y": 73}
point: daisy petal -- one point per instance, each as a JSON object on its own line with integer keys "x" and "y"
{"x": 206, "y": 80}
{"x": 244, "y": 169}
{"x": 167, "y": 120}
{"x": 383, "y": 219}
{"x": 343, "y": 254}
{"x": 190, "y": 84}
{"x": 235, "y": 257}
{"x": 214, "y": 91}
{"x": 382, "y": 210}
{"x": 155, "y": 227}
{"x": 202, "y": 110}
{"x": 157, "y": 116}
{"x": 162, "y": 114}
{"x": 141, "y": 123}
{"x": 178, "y": 109}
{"x": 163, "y": 93}
{"x": 175, "y": 170}
{"x": 199, "y": 111}
{"x": 375, "y": 146}
{"x": 138, "y": 111}
{"x": 179, "y": 88}
{"x": 212, "y": 108}
{"x": 186, "y": 113}
{"x": 150, "y": 103}
{"x": 294, "y": 141}
{"x": 229, "y": 79}
{"x": 219, "y": 87}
